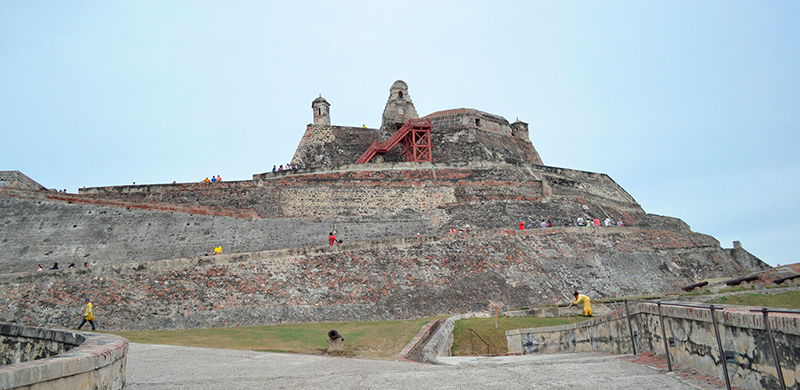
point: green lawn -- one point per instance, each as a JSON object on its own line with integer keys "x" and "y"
{"x": 787, "y": 300}
{"x": 375, "y": 339}
{"x": 496, "y": 338}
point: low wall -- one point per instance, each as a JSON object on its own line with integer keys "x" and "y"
{"x": 441, "y": 343}
{"x": 37, "y": 358}
{"x": 691, "y": 339}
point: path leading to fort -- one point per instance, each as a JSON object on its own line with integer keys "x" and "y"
{"x": 166, "y": 367}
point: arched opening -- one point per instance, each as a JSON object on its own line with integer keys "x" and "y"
{"x": 400, "y": 94}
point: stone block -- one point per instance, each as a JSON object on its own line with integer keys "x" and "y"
{"x": 335, "y": 345}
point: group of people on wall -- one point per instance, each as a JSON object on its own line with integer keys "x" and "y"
{"x": 588, "y": 221}
{"x": 55, "y": 266}
{"x": 287, "y": 167}
{"x": 214, "y": 179}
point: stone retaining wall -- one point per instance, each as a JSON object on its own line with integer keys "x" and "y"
{"x": 37, "y": 358}
{"x": 394, "y": 279}
{"x": 691, "y": 340}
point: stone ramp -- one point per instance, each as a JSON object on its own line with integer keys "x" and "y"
{"x": 161, "y": 367}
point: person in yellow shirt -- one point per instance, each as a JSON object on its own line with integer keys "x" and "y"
{"x": 587, "y": 306}
{"x": 218, "y": 250}
{"x": 88, "y": 315}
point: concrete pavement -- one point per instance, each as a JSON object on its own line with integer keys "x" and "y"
{"x": 160, "y": 367}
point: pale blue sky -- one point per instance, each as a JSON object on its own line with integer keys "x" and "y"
{"x": 691, "y": 106}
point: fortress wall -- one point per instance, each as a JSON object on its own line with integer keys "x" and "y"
{"x": 371, "y": 189}
{"x": 335, "y": 146}
{"x": 283, "y": 210}
{"x": 16, "y": 179}
{"x": 42, "y": 231}
{"x": 394, "y": 280}
{"x": 332, "y": 146}
{"x": 570, "y": 182}
{"x": 468, "y": 143}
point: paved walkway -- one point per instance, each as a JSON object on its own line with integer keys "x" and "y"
{"x": 167, "y": 367}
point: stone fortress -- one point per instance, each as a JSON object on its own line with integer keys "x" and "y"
{"x": 146, "y": 244}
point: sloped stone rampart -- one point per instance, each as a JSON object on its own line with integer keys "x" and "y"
{"x": 692, "y": 343}
{"x": 289, "y": 209}
{"x": 74, "y": 360}
{"x": 398, "y": 279}
{"x": 18, "y": 180}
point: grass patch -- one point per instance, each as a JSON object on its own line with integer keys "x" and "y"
{"x": 497, "y": 337}
{"x": 373, "y": 339}
{"x": 787, "y": 300}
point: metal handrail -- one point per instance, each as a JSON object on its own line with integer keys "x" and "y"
{"x": 472, "y": 342}
{"x": 765, "y": 311}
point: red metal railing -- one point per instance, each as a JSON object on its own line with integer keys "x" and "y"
{"x": 415, "y": 138}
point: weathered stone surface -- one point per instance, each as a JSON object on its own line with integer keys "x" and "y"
{"x": 397, "y": 279}
{"x": 84, "y": 361}
{"x": 691, "y": 339}
{"x": 16, "y": 179}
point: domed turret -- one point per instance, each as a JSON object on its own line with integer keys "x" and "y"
{"x": 322, "y": 111}
{"x": 399, "y": 108}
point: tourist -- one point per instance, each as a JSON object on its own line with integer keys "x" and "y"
{"x": 206, "y": 180}
{"x": 86, "y": 264}
{"x": 620, "y": 224}
{"x": 218, "y": 250}
{"x": 39, "y": 267}
{"x": 274, "y": 168}
{"x": 55, "y": 266}
{"x": 549, "y": 224}
{"x": 213, "y": 179}
{"x": 71, "y": 265}
{"x": 88, "y": 315}
{"x": 521, "y": 225}
{"x": 280, "y": 168}
{"x": 219, "y": 179}
{"x": 597, "y": 222}
{"x": 607, "y": 222}
{"x": 331, "y": 239}
{"x": 583, "y": 299}
{"x": 581, "y": 221}
{"x": 543, "y": 224}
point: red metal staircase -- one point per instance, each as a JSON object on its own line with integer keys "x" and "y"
{"x": 415, "y": 138}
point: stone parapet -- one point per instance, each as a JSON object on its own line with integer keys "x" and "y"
{"x": 84, "y": 360}
{"x": 691, "y": 341}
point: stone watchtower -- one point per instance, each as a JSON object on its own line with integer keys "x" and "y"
{"x": 519, "y": 129}
{"x": 322, "y": 111}
{"x": 399, "y": 108}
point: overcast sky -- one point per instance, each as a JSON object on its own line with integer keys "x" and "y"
{"x": 693, "y": 107}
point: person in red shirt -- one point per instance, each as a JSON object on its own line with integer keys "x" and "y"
{"x": 331, "y": 239}
{"x": 521, "y": 225}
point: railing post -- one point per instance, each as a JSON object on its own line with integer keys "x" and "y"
{"x": 765, "y": 311}
{"x": 664, "y": 336}
{"x": 472, "y": 343}
{"x": 719, "y": 345}
{"x": 630, "y": 327}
